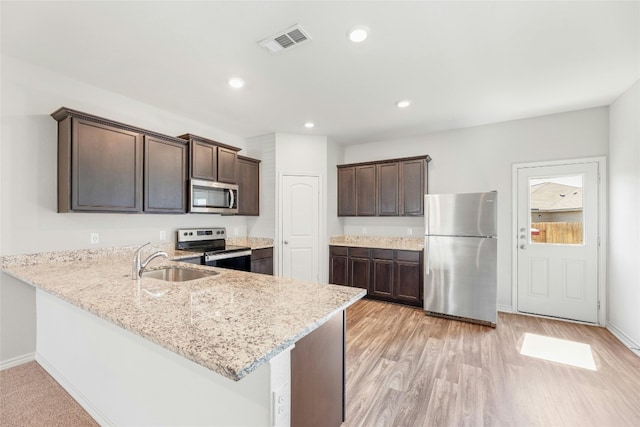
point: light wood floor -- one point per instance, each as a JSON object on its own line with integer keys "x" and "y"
{"x": 408, "y": 369}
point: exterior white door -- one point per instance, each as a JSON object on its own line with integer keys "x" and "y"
{"x": 557, "y": 253}
{"x": 300, "y": 227}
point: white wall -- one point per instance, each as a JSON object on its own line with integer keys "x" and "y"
{"x": 305, "y": 154}
{"x": 29, "y": 221}
{"x": 624, "y": 217}
{"x": 480, "y": 159}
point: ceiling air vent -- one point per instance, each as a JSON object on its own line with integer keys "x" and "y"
{"x": 286, "y": 39}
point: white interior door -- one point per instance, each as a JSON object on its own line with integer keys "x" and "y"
{"x": 300, "y": 227}
{"x": 557, "y": 253}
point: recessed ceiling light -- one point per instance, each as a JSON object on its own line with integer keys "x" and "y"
{"x": 358, "y": 33}
{"x": 404, "y": 103}
{"x": 236, "y": 82}
{"x": 309, "y": 125}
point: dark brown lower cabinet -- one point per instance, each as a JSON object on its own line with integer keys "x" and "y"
{"x": 388, "y": 274}
{"x": 262, "y": 261}
{"x": 408, "y": 272}
{"x": 382, "y": 280}
{"x": 338, "y": 265}
{"x": 359, "y": 267}
{"x": 318, "y": 376}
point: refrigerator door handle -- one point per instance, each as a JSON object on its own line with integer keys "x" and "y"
{"x": 426, "y": 256}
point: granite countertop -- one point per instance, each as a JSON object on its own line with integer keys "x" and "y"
{"x": 231, "y": 323}
{"x": 252, "y": 242}
{"x": 402, "y": 243}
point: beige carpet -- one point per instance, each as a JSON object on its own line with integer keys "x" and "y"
{"x": 29, "y": 396}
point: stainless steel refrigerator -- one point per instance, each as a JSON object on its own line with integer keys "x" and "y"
{"x": 460, "y": 256}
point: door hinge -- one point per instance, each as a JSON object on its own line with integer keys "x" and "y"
{"x": 598, "y": 305}
{"x": 598, "y": 241}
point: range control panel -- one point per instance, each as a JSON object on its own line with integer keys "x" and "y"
{"x": 200, "y": 234}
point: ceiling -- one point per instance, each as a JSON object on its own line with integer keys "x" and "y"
{"x": 461, "y": 63}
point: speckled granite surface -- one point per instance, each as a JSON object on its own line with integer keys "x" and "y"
{"x": 403, "y": 243}
{"x": 252, "y": 242}
{"x": 231, "y": 323}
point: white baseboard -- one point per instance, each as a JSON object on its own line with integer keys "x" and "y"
{"x": 505, "y": 308}
{"x": 79, "y": 397}
{"x": 25, "y": 358}
{"x": 633, "y": 346}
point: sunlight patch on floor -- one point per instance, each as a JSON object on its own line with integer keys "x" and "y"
{"x": 557, "y": 350}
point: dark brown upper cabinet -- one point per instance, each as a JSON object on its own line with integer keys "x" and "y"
{"x": 248, "y": 186}
{"x": 165, "y": 175}
{"x": 212, "y": 160}
{"x": 412, "y": 188}
{"x": 366, "y": 190}
{"x": 204, "y": 160}
{"x": 346, "y": 191}
{"x": 106, "y": 166}
{"x": 393, "y": 187}
{"x": 387, "y": 188}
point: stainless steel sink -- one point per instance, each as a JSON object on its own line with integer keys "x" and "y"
{"x": 177, "y": 274}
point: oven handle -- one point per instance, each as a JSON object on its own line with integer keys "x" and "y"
{"x": 218, "y": 257}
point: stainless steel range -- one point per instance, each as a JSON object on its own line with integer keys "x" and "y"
{"x": 216, "y": 253}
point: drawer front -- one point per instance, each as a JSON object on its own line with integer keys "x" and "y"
{"x": 382, "y": 253}
{"x": 359, "y": 252}
{"x": 338, "y": 250}
{"x": 411, "y": 256}
{"x": 261, "y": 253}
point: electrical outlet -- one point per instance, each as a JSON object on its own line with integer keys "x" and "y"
{"x": 364, "y": 230}
{"x": 409, "y": 231}
{"x": 163, "y": 235}
{"x": 95, "y": 238}
{"x": 281, "y": 406}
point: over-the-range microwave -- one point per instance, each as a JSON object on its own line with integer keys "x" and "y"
{"x": 213, "y": 197}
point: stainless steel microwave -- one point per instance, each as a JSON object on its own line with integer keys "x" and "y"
{"x": 213, "y": 197}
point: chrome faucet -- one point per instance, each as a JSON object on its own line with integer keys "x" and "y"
{"x": 138, "y": 266}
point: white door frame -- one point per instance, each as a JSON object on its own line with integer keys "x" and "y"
{"x": 602, "y": 229}
{"x": 322, "y": 241}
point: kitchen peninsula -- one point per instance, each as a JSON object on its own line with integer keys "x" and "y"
{"x": 220, "y": 350}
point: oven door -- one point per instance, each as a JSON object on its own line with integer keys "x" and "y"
{"x": 233, "y": 260}
{"x": 213, "y": 197}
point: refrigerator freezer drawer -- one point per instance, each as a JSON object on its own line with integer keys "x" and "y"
{"x": 460, "y": 277}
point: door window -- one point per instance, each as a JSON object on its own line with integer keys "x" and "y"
{"x": 556, "y": 210}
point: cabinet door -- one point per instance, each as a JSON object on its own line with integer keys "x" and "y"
{"x": 106, "y": 168}
{"x": 338, "y": 270}
{"x": 382, "y": 280}
{"x": 165, "y": 176}
{"x": 408, "y": 277}
{"x": 359, "y": 272}
{"x": 366, "y": 190}
{"x": 262, "y": 261}
{"x": 347, "y": 191}
{"x": 227, "y": 162}
{"x": 248, "y": 187}
{"x": 204, "y": 160}
{"x": 412, "y": 187}
{"x": 387, "y": 185}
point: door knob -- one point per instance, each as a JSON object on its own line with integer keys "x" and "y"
{"x": 523, "y": 246}
{"x": 286, "y": 242}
